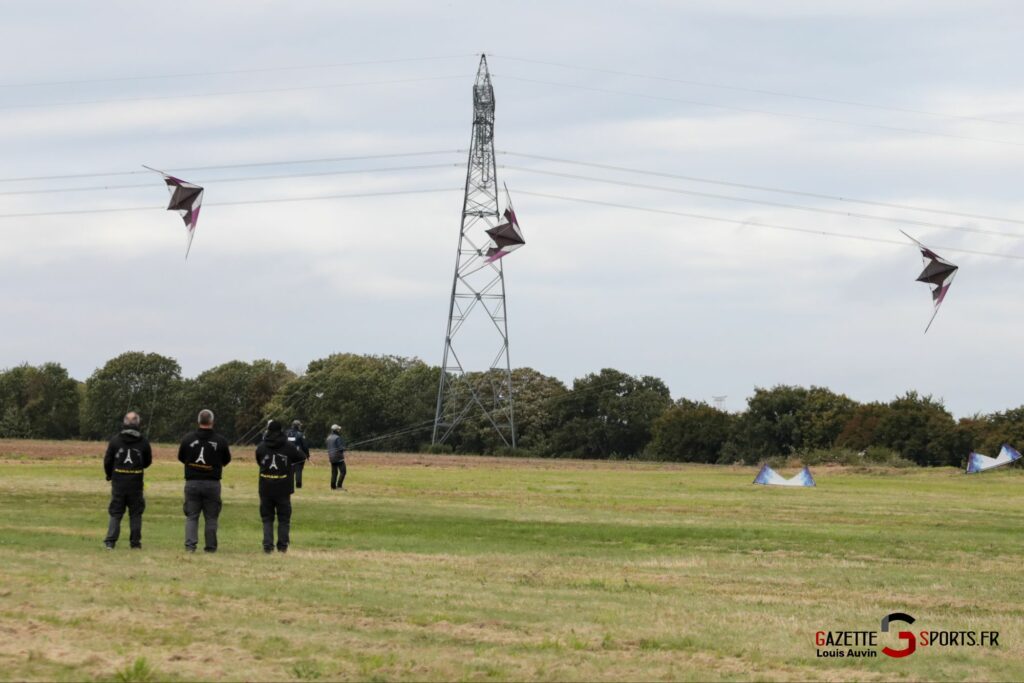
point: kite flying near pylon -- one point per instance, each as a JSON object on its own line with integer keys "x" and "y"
{"x": 938, "y": 274}
{"x": 186, "y": 199}
{"x": 507, "y": 237}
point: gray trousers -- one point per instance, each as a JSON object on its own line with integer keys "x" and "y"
{"x": 201, "y": 496}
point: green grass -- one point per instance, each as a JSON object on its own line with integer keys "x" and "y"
{"x": 441, "y": 568}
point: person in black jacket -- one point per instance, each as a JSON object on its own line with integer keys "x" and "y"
{"x": 127, "y": 457}
{"x": 298, "y": 439}
{"x": 276, "y": 456}
{"x": 336, "y": 454}
{"x": 204, "y": 454}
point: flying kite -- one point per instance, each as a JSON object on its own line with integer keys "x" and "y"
{"x": 938, "y": 274}
{"x": 507, "y": 237}
{"x": 186, "y": 199}
{"x": 769, "y": 477}
{"x": 979, "y": 463}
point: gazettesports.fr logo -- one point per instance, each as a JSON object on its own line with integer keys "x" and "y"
{"x": 866, "y": 643}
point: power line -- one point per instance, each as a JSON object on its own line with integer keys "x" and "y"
{"x": 760, "y": 91}
{"x": 772, "y": 226}
{"x": 763, "y": 188}
{"x": 747, "y": 200}
{"x": 253, "y": 164}
{"x": 240, "y": 179}
{"x": 279, "y": 200}
{"x": 230, "y": 72}
{"x": 226, "y": 93}
{"x": 749, "y": 110}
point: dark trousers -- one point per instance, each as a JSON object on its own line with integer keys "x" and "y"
{"x": 135, "y": 503}
{"x": 281, "y": 505}
{"x": 338, "y": 472}
{"x": 297, "y": 469}
{"x": 203, "y": 496}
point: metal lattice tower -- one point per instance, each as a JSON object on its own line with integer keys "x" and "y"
{"x": 478, "y": 293}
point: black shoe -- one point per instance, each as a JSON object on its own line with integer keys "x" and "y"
{"x": 283, "y": 550}
{"x": 108, "y": 546}
{"x": 209, "y": 550}
{"x": 137, "y": 546}
{"x": 268, "y": 550}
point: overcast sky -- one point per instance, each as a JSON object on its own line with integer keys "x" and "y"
{"x": 713, "y": 308}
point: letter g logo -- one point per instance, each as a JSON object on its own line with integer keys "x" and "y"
{"x": 904, "y": 635}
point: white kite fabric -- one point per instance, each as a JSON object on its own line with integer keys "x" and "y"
{"x": 769, "y": 477}
{"x": 980, "y": 463}
{"x": 506, "y": 237}
{"x": 186, "y": 199}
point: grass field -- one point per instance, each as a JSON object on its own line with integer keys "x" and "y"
{"x": 440, "y": 567}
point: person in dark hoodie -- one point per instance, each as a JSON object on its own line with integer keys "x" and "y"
{"x": 336, "y": 454}
{"x": 298, "y": 439}
{"x": 127, "y": 457}
{"x": 204, "y": 454}
{"x": 276, "y": 456}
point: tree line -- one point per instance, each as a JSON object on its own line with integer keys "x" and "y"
{"x": 388, "y": 402}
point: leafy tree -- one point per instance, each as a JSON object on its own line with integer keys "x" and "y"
{"x": 369, "y": 396}
{"x": 690, "y": 432}
{"x": 822, "y": 417}
{"x": 860, "y": 430}
{"x": 238, "y": 393}
{"x": 608, "y": 414}
{"x": 145, "y": 382}
{"x": 920, "y": 429}
{"x": 38, "y": 402}
{"x": 535, "y": 397}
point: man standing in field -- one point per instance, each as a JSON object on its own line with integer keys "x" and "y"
{"x": 298, "y": 439}
{"x": 276, "y": 456}
{"x": 336, "y": 454}
{"x": 127, "y": 457}
{"x": 204, "y": 454}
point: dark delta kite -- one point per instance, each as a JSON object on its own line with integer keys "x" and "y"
{"x": 186, "y": 199}
{"x": 938, "y": 274}
{"x": 506, "y": 237}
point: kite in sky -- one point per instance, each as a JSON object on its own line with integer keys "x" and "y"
{"x": 507, "y": 237}
{"x": 186, "y": 199}
{"x": 769, "y": 477}
{"x": 979, "y": 463}
{"x": 938, "y": 274}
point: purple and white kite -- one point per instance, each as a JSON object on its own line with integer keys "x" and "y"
{"x": 938, "y": 274}
{"x": 506, "y": 237}
{"x": 979, "y": 463}
{"x": 769, "y": 477}
{"x": 186, "y": 199}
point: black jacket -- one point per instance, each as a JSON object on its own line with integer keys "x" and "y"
{"x": 204, "y": 454}
{"x": 275, "y": 456}
{"x": 298, "y": 440}
{"x": 127, "y": 456}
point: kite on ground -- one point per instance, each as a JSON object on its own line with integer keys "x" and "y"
{"x": 938, "y": 274}
{"x": 507, "y": 237}
{"x": 186, "y": 199}
{"x": 979, "y": 463}
{"x": 769, "y": 477}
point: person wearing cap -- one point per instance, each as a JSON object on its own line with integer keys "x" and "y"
{"x": 276, "y": 456}
{"x": 298, "y": 439}
{"x": 127, "y": 457}
{"x": 205, "y": 454}
{"x": 336, "y": 454}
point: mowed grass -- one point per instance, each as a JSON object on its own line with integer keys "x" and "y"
{"x": 440, "y": 568}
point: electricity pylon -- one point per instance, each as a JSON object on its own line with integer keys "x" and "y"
{"x": 478, "y": 288}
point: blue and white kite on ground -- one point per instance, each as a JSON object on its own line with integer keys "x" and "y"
{"x": 979, "y": 463}
{"x": 769, "y": 477}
